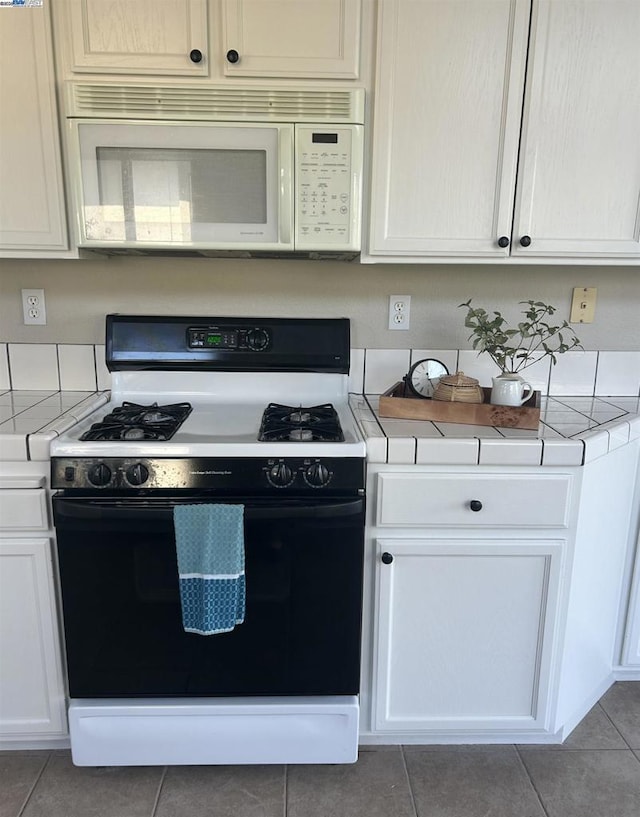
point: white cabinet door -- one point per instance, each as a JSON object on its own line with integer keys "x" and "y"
{"x": 291, "y": 38}
{"x": 464, "y": 634}
{"x": 631, "y": 646}
{"x": 449, "y": 87}
{"x": 31, "y": 687}
{"x": 448, "y": 120}
{"x": 578, "y": 189}
{"x": 141, "y": 37}
{"x": 32, "y": 208}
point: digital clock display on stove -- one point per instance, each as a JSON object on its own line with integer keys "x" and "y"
{"x": 254, "y": 339}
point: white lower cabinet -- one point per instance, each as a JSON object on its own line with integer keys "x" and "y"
{"x": 495, "y": 598}
{"x": 631, "y": 644}
{"x": 464, "y": 633}
{"x": 630, "y": 657}
{"x": 467, "y": 596}
{"x": 31, "y": 693}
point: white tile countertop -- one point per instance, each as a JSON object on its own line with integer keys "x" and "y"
{"x": 572, "y": 431}
{"x": 29, "y": 420}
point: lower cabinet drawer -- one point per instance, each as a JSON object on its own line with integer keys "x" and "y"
{"x": 470, "y": 500}
{"x": 23, "y": 509}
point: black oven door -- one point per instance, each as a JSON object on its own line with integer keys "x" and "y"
{"x": 122, "y": 613}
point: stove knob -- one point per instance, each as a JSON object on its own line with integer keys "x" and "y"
{"x": 137, "y": 474}
{"x": 99, "y": 474}
{"x": 317, "y": 475}
{"x": 280, "y": 475}
{"x": 257, "y": 340}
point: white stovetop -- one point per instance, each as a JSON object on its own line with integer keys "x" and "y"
{"x": 226, "y": 415}
{"x": 227, "y": 429}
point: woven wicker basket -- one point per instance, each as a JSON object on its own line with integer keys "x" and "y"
{"x": 458, "y": 388}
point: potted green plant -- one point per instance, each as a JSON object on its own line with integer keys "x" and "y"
{"x": 515, "y": 349}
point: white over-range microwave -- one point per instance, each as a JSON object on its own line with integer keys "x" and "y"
{"x": 215, "y": 169}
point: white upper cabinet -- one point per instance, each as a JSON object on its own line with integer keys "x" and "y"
{"x": 32, "y": 210}
{"x": 449, "y": 85}
{"x": 291, "y": 38}
{"x": 141, "y": 37}
{"x": 578, "y": 189}
{"x": 210, "y": 39}
{"x": 458, "y": 172}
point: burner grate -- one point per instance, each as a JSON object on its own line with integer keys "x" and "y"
{"x": 300, "y": 424}
{"x": 134, "y": 422}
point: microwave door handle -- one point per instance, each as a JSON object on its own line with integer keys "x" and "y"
{"x": 286, "y": 161}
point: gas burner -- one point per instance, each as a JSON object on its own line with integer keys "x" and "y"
{"x": 133, "y": 422}
{"x": 301, "y": 435}
{"x": 298, "y": 424}
{"x": 300, "y": 416}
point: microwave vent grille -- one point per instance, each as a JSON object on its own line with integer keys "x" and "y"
{"x": 215, "y": 103}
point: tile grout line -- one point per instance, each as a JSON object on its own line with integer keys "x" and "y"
{"x": 154, "y": 808}
{"x": 606, "y": 714}
{"x": 285, "y": 805}
{"x": 408, "y": 776}
{"x": 531, "y": 781}
{"x": 9, "y": 372}
{"x": 35, "y": 783}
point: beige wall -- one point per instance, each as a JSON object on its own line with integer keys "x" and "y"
{"x": 79, "y": 293}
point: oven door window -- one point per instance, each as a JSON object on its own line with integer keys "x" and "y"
{"x": 201, "y": 186}
{"x": 122, "y": 614}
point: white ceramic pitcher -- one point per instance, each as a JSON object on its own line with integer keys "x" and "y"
{"x": 510, "y": 390}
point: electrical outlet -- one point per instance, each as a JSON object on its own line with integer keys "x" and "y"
{"x": 399, "y": 311}
{"x": 34, "y": 311}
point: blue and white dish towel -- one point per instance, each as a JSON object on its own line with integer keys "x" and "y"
{"x": 210, "y": 550}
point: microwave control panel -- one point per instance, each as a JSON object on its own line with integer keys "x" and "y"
{"x": 329, "y": 187}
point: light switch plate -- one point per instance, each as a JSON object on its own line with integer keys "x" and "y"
{"x": 583, "y": 305}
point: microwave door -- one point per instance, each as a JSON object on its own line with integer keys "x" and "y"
{"x": 141, "y": 198}
{"x": 204, "y": 186}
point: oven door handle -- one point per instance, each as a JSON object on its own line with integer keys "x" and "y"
{"x": 111, "y": 510}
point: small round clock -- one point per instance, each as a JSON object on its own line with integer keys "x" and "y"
{"x": 424, "y": 375}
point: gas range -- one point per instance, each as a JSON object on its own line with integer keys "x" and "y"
{"x": 219, "y": 418}
{"x": 216, "y": 403}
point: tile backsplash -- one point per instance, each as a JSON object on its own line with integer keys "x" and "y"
{"x": 81, "y": 367}
{"x": 575, "y": 373}
{"x": 53, "y": 366}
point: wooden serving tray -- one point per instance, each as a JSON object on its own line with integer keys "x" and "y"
{"x": 393, "y": 403}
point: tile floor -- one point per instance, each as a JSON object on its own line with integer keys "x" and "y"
{"x": 595, "y": 773}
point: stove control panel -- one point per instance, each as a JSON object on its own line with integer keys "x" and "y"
{"x": 229, "y": 339}
{"x": 240, "y": 476}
